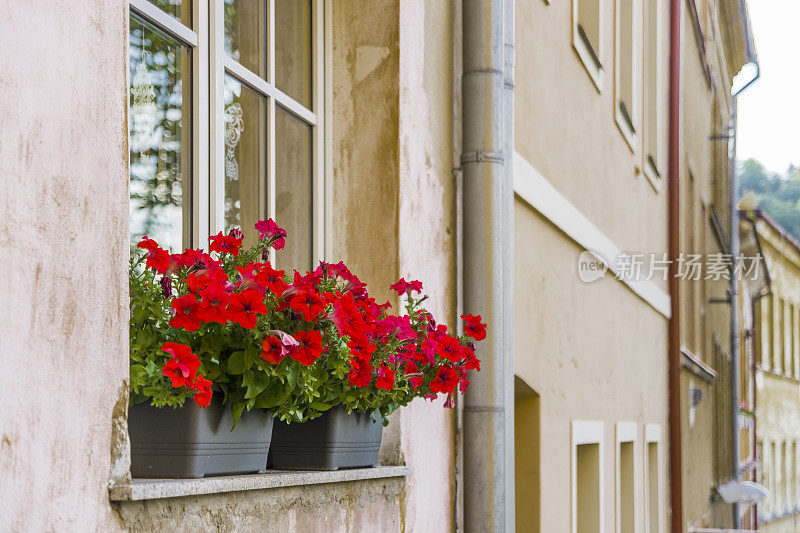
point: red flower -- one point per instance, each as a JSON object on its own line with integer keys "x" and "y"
{"x": 446, "y": 380}
{"x": 272, "y": 351}
{"x": 181, "y": 369}
{"x": 186, "y": 313}
{"x": 385, "y": 379}
{"x": 360, "y": 373}
{"x": 244, "y": 307}
{"x": 275, "y": 235}
{"x": 413, "y": 375}
{"x": 203, "y": 388}
{"x": 271, "y": 279}
{"x": 473, "y": 327}
{"x": 307, "y": 303}
{"x": 157, "y": 257}
{"x": 309, "y": 349}
{"x": 450, "y": 349}
{"x": 225, "y": 244}
{"x": 406, "y": 287}
{"x": 212, "y": 306}
{"x": 361, "y": 347}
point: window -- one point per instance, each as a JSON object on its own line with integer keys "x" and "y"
{"x": 625, "y": 478}
{"x": 788, "y": 359}
{"x": 160, "y": 117}
{"x": 587, "y": 39}
{"x": 652, "y": 92}
{"x": 587, "y": 477}
{"x": 625, "y": 40}
{"x": 652, "y": 476}
{"x": 777, "y": 336}
{"x": 226, "y": 121}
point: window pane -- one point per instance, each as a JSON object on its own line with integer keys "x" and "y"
{"x": 246, "y": 34}
{"x": 245, "y": 157}
{"x": 293, "y": 49}
{"x": 160, "y": 137}
{"x": 180, "y": 9}
{"x": 293, "y": 175}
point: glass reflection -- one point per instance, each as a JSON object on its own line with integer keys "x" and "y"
{"x": 293, "y": 49}
{"x": 160, "y": 125}
{"x": 293, "y": 175}
{"x": 246, "y": 34}
{"x": 179, "y": 9}
{"x": 245, "y": 157}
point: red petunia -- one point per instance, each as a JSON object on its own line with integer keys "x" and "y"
{"x": 182, "y": 368}
{"x": 203, "y": 395}
{"x": 225, "y": 244}
{"x": 307, "y": 303}
{"x": 186, "y": 313}
{"x": 271, "y": 279}
{"x": 473, "y": 327}
{"x": 450, "y": 349}
{"x": 361, "y": 347}
{"x": 446, "y": 380}
{"x": 413, "y": 375}
{"x": 157, "y": 257}
{"x": 406, "y": 287}
{"x": 214, "y": 301}
{"x": 385, "y": 379}
{"x": 275, "y": 235}
{"x": 309, "y": 348}
{"x": 272, "y": 351}
{"x": 360, "y": 373}
{"x": 244, "y": 308}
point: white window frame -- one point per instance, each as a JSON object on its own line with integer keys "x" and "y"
{"x": 586, "y": 432}
{"x": 654, "y": 174}
{"x": 652, "y": 435}
{"x": 583, "y": 49}
{"x": 626, "y": 433}
{"x": 210, "y": 64}
{"x": 628, "y": 129}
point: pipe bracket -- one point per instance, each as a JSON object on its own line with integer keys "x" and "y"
{"x": 480, "y": 157}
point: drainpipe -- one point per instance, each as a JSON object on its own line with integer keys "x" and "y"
{"x": 734, "y": 219}
{"x": 508, "y": 250}
{"x": 487, "y": 415}
{"x": 673, "y": 214}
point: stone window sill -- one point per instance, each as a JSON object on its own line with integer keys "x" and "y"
{"x": 153, "y": 489}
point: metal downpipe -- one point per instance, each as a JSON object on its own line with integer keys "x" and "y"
{"x": 735, "y": 344}
{"x": 673, "y": 222}
{"x": 487, "y": 197}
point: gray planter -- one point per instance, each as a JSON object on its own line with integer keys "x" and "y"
{"x": 191, "y": 442}
{"x": 334, "y": 440}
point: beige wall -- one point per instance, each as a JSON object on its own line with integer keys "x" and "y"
{"x": 778, "y": 389}
{"x": 64, "y": 221}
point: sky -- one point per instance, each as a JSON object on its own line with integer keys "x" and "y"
{"x": 769, "y": 110}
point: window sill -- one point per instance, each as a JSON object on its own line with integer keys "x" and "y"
{"x": 153, "y": 489}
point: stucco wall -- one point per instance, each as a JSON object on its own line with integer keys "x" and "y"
{"x": 363, "y": 506}
{"x": 63, "y": 280}
{"x": 585, "y": 361}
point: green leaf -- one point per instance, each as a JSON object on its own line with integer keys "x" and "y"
{"x": 320, "y": 406}
{"x": 237, "y": 363}
{"x": 236, "y": 412}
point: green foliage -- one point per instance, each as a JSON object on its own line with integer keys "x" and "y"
{"x": 776, "y": 194}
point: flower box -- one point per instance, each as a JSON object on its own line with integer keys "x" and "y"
{"x": 192, "y": 442}
{"x": 334, "y": 440}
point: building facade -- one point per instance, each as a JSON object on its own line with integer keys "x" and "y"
{"x": 774, "y": 374}
{"x": 343, "y": 120}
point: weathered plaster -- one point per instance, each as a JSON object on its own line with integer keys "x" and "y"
{"x": 359, "y": 506}
{"x": 63, "y": 280}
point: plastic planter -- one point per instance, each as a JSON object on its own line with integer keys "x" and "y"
{"x": 191, "y": 442}
{"x": 334, "y": 440}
